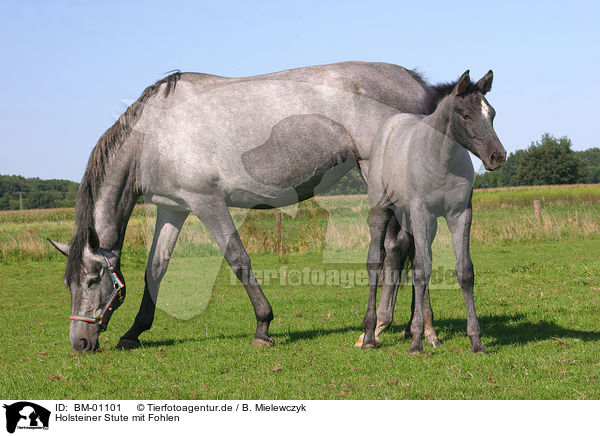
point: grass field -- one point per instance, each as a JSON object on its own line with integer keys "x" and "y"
{"x": 537, "y": 295}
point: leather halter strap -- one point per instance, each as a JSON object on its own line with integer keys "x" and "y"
{"x": 116, "y": 295}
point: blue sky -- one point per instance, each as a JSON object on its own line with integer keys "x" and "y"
{"x": 67, "y": 67}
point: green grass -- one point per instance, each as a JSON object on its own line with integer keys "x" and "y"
{"x": 537, "y": 296}
{"x": 538, "y": 311}
{"x": 523, "y": 196}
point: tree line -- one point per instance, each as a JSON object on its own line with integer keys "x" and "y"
{"x": 17, "y": 192}
{"x": 549, "y": 161}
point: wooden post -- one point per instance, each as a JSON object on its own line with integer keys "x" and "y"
{"x": 576, "y": 218}
{"x": 278, "y": 231}
{"x": 537, "y": 208}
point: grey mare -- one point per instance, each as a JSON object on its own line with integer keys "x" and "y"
{"x": 201, "y": 143}
{"x": 419, "y": 170}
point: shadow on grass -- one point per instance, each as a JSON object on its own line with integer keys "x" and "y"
{"x": 496, "y": 330}
{"x": 507, "y": 329}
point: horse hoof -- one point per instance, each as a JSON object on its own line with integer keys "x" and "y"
{"x": 259, "y": 342}
{"x": 407, "y": 334}
{"x": 128, "y": 344}
{"x": 415, "y": 349}
{"x": 359, "y": 342}
{"x": 478, "y": 349}
{"x": 368, "y": 346}
{"x": 433, "y": 341}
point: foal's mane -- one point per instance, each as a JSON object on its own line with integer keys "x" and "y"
{"x": 93, "y": 177}
{"x": 444, "y": 89}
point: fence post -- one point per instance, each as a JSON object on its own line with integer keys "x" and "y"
{"x": 537, "y": 208}
{"x": 278, "y": 231}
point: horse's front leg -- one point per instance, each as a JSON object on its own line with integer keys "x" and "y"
{"x": 460, "y": 227}
{"x": 379, "y": 218}
{"x": 168, "y": 224}
{"x": 424, "y": 225}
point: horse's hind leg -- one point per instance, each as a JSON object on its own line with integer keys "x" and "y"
{"x": 168, "y": 224}
{"x": 430, "y": 334}
{"x": 378, "y": 223}
{"x": 214, "y": 214}
{"x": 424, "y": 226}
{"x": 396, "y": 251}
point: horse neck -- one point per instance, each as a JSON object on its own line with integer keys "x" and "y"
{"x": 116, "y": 199}
{"x": 440, "y": 143}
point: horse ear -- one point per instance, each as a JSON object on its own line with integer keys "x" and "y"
{"x": 63, "y": 248}
{"x": 485, "y": 83}
{"x": 93, "y": 240}
{"x": 463, "y": 84}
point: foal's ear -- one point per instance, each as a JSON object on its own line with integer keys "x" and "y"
{"x": 93, "y": 240}
{"x": 62, "y": 247}
{"x": 485, "y": 83}
{"x": 463, "y": 84}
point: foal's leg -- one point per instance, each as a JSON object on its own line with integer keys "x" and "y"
{"x": 168, "y": 224}
{"x": 430, "y": 334}
{"x": 378, "y": 223}
{"x": 213, "y": 212}
{"x": 424, "y": 227}
{"x": 460, "y": 227}
{"x": 393, "y": 263}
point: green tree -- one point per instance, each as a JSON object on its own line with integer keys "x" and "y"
{"x": 549, "y": 161}
{"x": 590, "y": 159}
{"x": 351, "y": 183}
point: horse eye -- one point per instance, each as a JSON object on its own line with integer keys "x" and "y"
{"x": 466, "y": 116}
{"x": 93, "y": 281}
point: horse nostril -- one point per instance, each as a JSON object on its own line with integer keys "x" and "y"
{"x": 81, "y": 345}
{"x": 498, "y": 157}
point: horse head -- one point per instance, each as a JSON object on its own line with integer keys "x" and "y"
{"x": 96, "y": 285}
{"x": 471, "y": 120}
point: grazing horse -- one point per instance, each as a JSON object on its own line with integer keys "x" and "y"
{"x": 419, "y": 170}
{"x": 201, "y": 143}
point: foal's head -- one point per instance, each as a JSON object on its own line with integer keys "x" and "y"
{"x": 470, "y": 120}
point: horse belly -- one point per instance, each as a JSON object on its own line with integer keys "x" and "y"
{"x": 304, "y": 155}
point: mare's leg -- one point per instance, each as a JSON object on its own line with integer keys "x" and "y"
{"x": 378, "y": 223}
{"x": 424, "y": 226}
{"x": 460, "y": 227}
{"x": 168, "y": 224}
{"x": 213, "y": 212}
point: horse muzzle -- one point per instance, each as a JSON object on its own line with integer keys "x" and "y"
{"x": 495, "y": 160}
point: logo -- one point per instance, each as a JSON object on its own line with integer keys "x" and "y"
{"x": 25, "y": 415}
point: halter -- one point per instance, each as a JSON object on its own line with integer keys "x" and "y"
{"x": 116, "y": 295}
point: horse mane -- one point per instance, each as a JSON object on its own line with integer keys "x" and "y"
{"x": 93, "y": 177}
{"x": 439, "y": 91}
{"x": 444, "y": 89}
